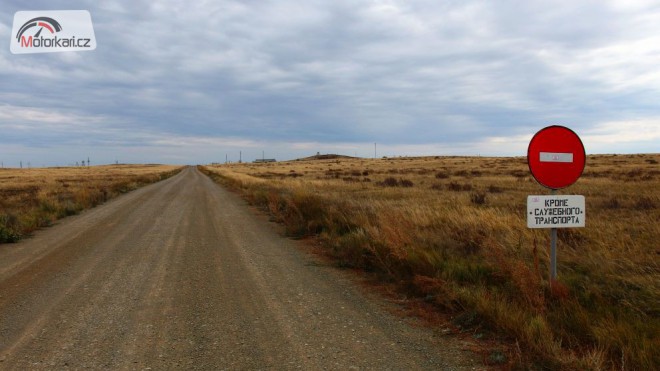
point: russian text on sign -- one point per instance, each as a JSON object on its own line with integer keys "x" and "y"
{"x": 556, "y": 211}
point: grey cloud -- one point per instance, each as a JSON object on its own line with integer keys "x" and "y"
{"x": 403, "y": 73}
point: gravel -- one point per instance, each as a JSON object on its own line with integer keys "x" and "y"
{"x": 182, "y": 275}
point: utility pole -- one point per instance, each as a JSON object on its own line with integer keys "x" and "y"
{"x": 375, "y": 151}
{"x": 226, "y": 157}
{"x": 21, "y": 164}
{"x": 240, "y": 157}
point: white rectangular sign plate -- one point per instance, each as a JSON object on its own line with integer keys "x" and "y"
{"x": 555, "y": 211}
{"x": 555, "y": 157}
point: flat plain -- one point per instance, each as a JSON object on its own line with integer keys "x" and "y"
{"x": 452, "y": 230}
{"x": 449, "y": 231}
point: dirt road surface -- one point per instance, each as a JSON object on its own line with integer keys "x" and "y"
{"x": 182, "y": 275}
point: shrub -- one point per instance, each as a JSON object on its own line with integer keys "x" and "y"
{"x": 612, "y": 203}
{"x": 478, "y": 198}
{"x": 8, "y": 235}
{"x": 437, "y": 187}
{"x": 8, "y": 224}
{"x": 457, "y": 187}
{"x": 453, "y": 186}
{"x": 519, "y": 173}
{"x": 389, "y": 182}
{"x": 393, "y": 182}
{"x": 644, "y": 203}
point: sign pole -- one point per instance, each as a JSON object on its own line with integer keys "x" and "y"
{"x": 553, "y": 251}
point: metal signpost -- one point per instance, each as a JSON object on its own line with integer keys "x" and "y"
{"x": 556, "y": 159}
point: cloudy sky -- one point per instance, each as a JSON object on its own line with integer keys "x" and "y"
{"x": 197, "y": 82}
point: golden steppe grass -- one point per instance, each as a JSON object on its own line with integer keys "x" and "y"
{"x": 34, "y": 198}
{"x": 452, "y": 230}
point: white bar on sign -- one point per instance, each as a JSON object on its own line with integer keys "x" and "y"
{"x": 555, "y": 157}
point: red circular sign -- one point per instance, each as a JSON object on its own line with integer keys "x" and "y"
{"x": 556, "y": 157}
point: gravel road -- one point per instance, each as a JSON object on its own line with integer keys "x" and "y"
{"x": 182, "y": 275}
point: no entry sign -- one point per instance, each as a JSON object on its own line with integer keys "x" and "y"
{"x": 556, "y": 157}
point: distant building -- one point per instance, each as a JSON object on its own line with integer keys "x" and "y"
{"x": 260, "y": 160}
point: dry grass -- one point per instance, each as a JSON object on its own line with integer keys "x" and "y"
{"x": 453, "y": 230}
{"x": 34, "y": 198}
